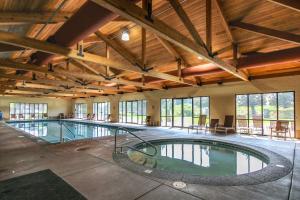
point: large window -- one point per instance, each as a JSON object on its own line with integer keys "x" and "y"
{"x": 133, "y": 111}
{"x": 183, "y": 112}
{"x": 80, "y": 110}
{"x": 259, "y": 112}
{"x": 24, "y": 111}
{"x": 101, "y": 110}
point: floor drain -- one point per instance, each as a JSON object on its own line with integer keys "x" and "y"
{"x": 179, "y": 185}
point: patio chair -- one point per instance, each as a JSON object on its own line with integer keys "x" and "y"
{"x": 32, "y": 116}
{"x": 212, "y": 125}
{"x": 61, "y": 115}
{"x": 281, "y": 127}
{"x": 13, "y": 116}
{"x": 201, "y": 124}
{"x": 148, "y": 121}
{"x": 21, "y": 116}
{"x": 242, "y": 126}
{"x": 108, "y": 118}
{"x": 89, "y": 116}
{"x": 257, "y": 125}
{"x": 227, "y": 127}
{"x": 45, "y": 116}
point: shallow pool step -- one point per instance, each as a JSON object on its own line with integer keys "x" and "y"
{"x": 150, "y": 162}
{"x": 137, "y": 157}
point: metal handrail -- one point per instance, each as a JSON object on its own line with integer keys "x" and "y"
{"x": 61, "y": 135}
{"x": 69, "y": 129}
{"x": 133, "y": 148}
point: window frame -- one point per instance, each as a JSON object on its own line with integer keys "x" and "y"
{"x": 182, "y": 110}
{"x": 140, "y": 116}
{"x": 27, "y": 115}
{"x": 262, "y": 110}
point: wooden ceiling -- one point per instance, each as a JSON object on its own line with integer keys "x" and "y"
{"x": 188, "y": 43}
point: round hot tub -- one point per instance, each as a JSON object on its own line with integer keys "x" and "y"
{"x": 205, "y": 161}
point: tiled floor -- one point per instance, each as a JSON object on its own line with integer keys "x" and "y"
{"x": 93, "y": 172}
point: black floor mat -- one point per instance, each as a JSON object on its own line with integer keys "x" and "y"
{"x": 42, "y": 185}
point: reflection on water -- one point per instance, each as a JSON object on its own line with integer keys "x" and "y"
{"x": 189, "y": 152}
{"x": 205, "y": 159}
{"x": 50, "y": 130}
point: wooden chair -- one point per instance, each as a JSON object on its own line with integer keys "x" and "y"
{"x": 257, "y": 125}
{"x": 281, "y": 127}
{"x": 227, "y": 127}
{"x": 201, "y": 124}
{"x": 242, "y": 126}
{"x": 212, "y": 125}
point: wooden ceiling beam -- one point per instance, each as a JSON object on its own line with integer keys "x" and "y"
{"x": 208, "y": 26}
{"x": 137, "y": 62}
{"x": 291, "y": 4}
{"x": 59, "y": 83}
{"x": 10, "y": 18}
{"x": 6, "y": 48}
{"x": 121, "y": 50}
{"x": 137, "y": 15}
{"x": 186, "y": 21}
{"x": 83, "y": 65}
{"x": 26, "y": 42}
{"x": 281, "y": 35}
{"x": 5, "y": 63}
{"x": 223, "y": 20}
{"x": 172, "y": 51}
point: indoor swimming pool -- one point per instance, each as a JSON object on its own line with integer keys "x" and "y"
{"x": 55, "y": 131}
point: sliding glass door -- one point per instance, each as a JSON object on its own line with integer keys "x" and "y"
{"x": 133, "y": 111}
{"x": 259, "y": 112}
{"x": 101, "y": 110}
{"x": 80, "y": 110}
{"x": 26, "y": 111}
{"x": 183, "y": 112}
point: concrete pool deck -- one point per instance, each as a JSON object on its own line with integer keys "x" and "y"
{"x": 88, "y": 166}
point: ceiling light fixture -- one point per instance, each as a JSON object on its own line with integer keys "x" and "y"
{"x": 125, "y": 35}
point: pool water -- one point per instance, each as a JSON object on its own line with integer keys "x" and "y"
{"x": 199, "y": 158}
{"x": 50, "y": 130}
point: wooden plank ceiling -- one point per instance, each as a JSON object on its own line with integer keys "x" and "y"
{"x": 186, "y": 43}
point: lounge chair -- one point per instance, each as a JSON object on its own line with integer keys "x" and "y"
{"x": 45, "y": 116}
{"x": 227, "y": 127}
{"x": 212, "y": 125}
{"x": 281, "y": 127}
{"x": 32, "y": 116}
{"x": 201, "y": 124}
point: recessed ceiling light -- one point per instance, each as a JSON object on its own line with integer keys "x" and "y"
{"x": 125, "y": 35}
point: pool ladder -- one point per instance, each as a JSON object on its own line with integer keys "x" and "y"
{"x": 130, "y": 147}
